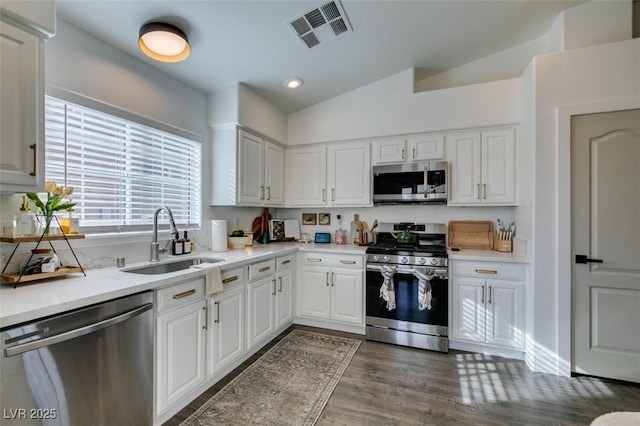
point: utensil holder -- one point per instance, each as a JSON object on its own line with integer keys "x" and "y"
{"x": 501, "y": 244}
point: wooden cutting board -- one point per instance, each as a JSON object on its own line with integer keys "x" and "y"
{"x": 471, "y": 234}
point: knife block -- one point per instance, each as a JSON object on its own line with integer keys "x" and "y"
{"x": 500, "y": 244}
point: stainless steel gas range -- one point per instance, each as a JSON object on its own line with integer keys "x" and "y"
{"x": 407, "y": 286}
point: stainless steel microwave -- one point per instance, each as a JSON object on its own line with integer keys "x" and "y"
{"x": 410, "y": 183}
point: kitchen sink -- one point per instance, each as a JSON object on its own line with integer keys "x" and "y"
{"x": 163, "y": 268}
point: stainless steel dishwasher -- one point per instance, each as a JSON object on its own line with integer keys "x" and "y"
{"x": 91, "y": 366}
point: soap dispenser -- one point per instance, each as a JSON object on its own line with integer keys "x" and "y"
{"x": 24, "y": 221}
{"x": 186, "y": 244}
{"x": 176, "y": 245}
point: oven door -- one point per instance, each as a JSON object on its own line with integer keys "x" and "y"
{"x": 407, "y": 316}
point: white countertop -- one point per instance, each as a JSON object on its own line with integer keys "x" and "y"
{"x": 37, "y": 299}
{"x": 487, "y": 255}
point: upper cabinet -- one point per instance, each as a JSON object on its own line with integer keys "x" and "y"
{"x": 22, "y": 106}
{"x": 421, "y": 147}
{"x": 482, "y": 168}
{"x": 334, "y": 175}
{"x": 246, "y": 170}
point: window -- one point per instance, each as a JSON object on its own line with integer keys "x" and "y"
{"x": 121, "y": 171}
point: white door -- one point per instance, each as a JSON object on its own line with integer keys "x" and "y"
{"x": 388, "y": 151}
{"x": 226, "y": 328}
{"x": 274, "y": 174}
{"x": 314, "y": 292}
{"x": 505, "y": 314}
{"x": 426, "y": 147}
{"x": 464, "y": 167}
{"x": 469, "y": 309}
{"x": 349, "y": 175}
{"x": 307, "y": 176}
{"x": 284, "y": 298}
{"x": 251, "y": 188}
{"x": 260, "y": 304}
{"x": 606, "y": 227}
{"x": 346, "y": 295}
{"x": 498, "y": 167}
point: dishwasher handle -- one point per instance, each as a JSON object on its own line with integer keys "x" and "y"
{"x": 81, "y": 331}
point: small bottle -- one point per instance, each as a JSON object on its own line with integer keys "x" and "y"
{"x": 70, "y": 224}
{"x": 186, "y": 244}
{"x": 176, "y": 245}
{"x": 24, "y": 221}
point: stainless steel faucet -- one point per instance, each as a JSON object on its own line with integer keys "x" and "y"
{"x": 155, "y": 247}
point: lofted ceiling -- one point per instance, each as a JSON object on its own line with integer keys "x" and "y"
{"x": 251, "y": 41}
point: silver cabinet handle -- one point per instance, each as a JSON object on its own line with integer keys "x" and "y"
{"x": 274, "y": 287}
{"x": 478, "y": 191}
{"x": 333, "y": 277}
{"x": 489, "y": 294}
{"x": 261, "y": 192}
{"x": 333, "y": 194}
{"x": 34, "y": 147}
{"x": 413, "y": 154}
{"x": 484, "y": 185}
{"x": 268, "y": 192}
{"x": 280, "y": 284}
{"x": 217, "y": 320}
{"x": 206, "y": 317}
{"x": 482, "y": 300}
{"x": 324, "y": 194}
{"x": 71, "y": 334}
{"x": 327, "y": 279}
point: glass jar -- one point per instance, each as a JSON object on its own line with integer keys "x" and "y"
{"x": 70, "y": 223}
{"x": 341, "y": 236}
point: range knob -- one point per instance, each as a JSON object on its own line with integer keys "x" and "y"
{"x": 422, "y": 260}
{"x": 385, "y": 258}
{"x": 404, "y": 259}
{"x": 434, "y": 261}
{"x": 376, "y": 257}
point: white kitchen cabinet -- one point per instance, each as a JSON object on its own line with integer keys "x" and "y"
{"x": 422, "y": 147}
{"x": 284, "y": 290}
{"x": 334, "y": 175}
{"x": 482, "y": 168}
{"x": 225, "y": 331}
{"x": 247, "y": 170}
{"x": 22, "y": 106}
{"x": 331, "y": 287}
{"x": 180, "y": 342}
{"x": 488, "y": 303}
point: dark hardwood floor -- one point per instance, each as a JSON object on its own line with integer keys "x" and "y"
{"x": 394, "y": 385}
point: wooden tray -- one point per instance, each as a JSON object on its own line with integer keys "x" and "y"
{"x": 471, "y": 234}
{"x": 36, "y": 238}
{"x": 63, "y": 270}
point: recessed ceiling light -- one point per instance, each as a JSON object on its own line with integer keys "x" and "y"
{"x": 163, "y": 42}
{"x": 293, "y": 83}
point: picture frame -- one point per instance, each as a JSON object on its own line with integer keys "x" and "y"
{"x": 309, "y": 218}
{"x": 324, "y": 218}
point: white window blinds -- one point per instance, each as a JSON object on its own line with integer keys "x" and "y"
{"x": 121, "y": 171}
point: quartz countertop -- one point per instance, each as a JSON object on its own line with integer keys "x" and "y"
{"x": 487, "y": 255}
{"x": 38, "y": 299}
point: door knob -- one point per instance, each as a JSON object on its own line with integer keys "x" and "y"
{"x": 581, "y": 258}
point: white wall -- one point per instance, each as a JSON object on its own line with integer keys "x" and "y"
{"x": 390, "y": 107}
{"x": 589, "y": 79}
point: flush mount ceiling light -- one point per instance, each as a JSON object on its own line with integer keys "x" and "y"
{"x": 293, "y": 83}
{"x": 164, "y": 42}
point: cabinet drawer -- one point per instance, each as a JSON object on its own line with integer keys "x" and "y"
{"x": 262, "y": 269}
{"x": 180, "y": 294}
{"x": 232, "y": 277}
{"x": 500, "y": 271}
{"x": 324, "y": 259}
{"x": 284, "y": 262}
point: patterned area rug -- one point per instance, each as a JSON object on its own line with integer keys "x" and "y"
{"x": 289, "y": 385}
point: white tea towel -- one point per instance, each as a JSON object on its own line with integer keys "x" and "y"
{"x": 213, "y": 277}
{"x": 387, "y": 291}
{"x": 424, "y": 288}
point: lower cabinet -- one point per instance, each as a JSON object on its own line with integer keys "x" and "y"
{"x": 180, "y": 341}
{"x": 331, "y": 287}
{"x": 488, "y": 303}
{"x": 225, "y": 334}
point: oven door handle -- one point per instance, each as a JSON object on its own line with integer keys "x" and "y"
{"x": 399, "y": 270}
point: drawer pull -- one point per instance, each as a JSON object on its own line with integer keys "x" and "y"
{"x": 230, "y": 279}
{"x": 286, "y": 262}
{"x": 264, "y": 269}
{"x": 184, "y": 294}
{"x": 313, "y": 259}
{"x": 487, "y": 271}
{"x": 34, "y": 147}
{"x": 348, "y": 262}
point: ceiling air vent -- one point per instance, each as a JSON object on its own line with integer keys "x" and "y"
{"x": 320, "y": 24}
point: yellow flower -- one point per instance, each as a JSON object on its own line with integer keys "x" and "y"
{"x": 68, "y": 190}
{"x": 49, "y": 186}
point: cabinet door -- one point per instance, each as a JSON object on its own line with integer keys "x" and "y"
{"x": 498, "y": 167}
{"x": 251, "y": 188}
{"x": 505, "y": 314}
{"x": 426, "y": 147}
{"x": 307, "y": 176}
{"x": 180, "y": 350}
{"x": 22, "y": 106}
{"x": 315, "y": 300}
{"x": 346, "y": 295}
{"x": 388, "y": 151}
{"x": 468, "y": 310}
{"x": 349, "y": 175}
{"x": 226, "y": 329}
{"x": 260, "y": 303}
{"x": 284, "y": 298}
{"x": 274, "y": 174}
{"x": 464, "y": 168}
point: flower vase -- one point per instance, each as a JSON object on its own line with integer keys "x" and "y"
{"x": 48, "y": 224}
